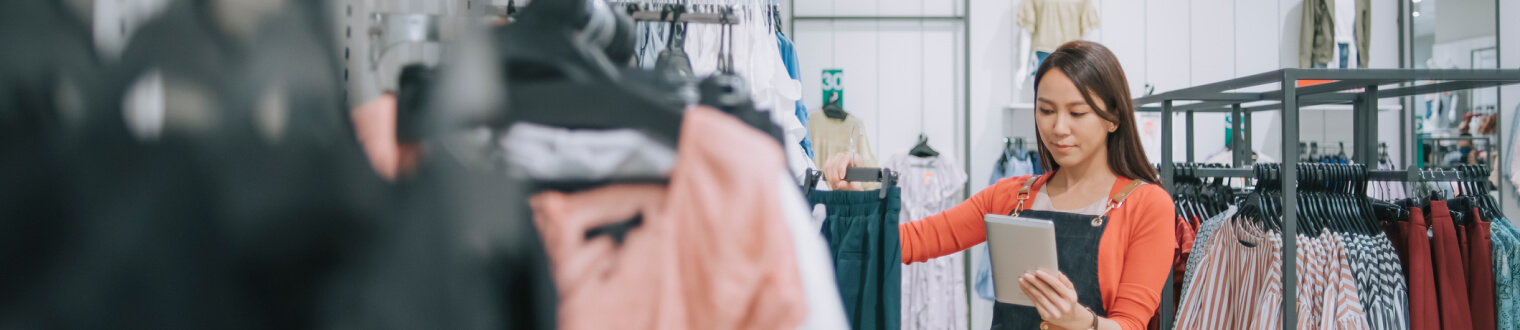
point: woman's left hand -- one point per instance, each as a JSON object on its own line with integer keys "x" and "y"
{"x": 1056, "y": 299}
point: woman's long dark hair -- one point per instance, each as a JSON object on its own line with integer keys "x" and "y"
{"x": 1095, "y": 71}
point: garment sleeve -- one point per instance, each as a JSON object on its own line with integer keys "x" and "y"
{"x": 1028, "y": 15}
{"x": 953, "y": 230}
{"x": 1089, "y": 20}
{"x": 1147, "y": 258}
{"x": 1306, "y": 31}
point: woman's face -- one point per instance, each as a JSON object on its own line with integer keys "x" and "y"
{"x": 1069, "y": 128}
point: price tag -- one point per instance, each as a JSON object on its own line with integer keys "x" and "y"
{"x": 833, "y": 86}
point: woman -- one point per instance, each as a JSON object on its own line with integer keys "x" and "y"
{"x": 1101, "y": 192}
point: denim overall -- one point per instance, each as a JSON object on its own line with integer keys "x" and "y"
{"x": 1077, "y": 237}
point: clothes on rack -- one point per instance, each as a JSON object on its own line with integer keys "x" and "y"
{"x": 1349, "y": 275}
{"x": 1480, "y": 279}
{"x": 688, "y": 272}
{"x": 1228, "y": 290}
{"x": 841, "y": 136}
{"x": 860, "y": 227}
{"x": 757, "y": 53}
{"x": 789, "y": 56}
{"x": 1055, "y": 22}
{"x": 933, "y": 292}
{"x": 1506, "y": 256}
{"x": 1015, "y": 162}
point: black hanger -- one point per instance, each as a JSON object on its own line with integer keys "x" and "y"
{"x": 810, "y": 181}
{"x": 555, "y": 79}
{"x": 833, "y": 108}
{"x": 776, "y": 17}
{"x": 1383, "y": 152}
{"x": 887, "y": 177}
{"x": 922, "y": 149}
{"x": 673, "y": 60}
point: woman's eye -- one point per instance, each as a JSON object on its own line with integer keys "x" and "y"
{"x": 1078, "y": 114}
{"x": 1047, "y": 111}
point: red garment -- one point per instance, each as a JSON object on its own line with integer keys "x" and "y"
{"x": 1479, "y": 277}
{"x": 1399, "y": 237}
{"x": 1464, "y": 242}
{"x": 1185, "y": 237}
{"x": 1451, "y": 277}
{"x": 1423, "y": 303}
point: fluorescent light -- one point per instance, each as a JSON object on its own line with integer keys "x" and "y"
{"x": 1416, "y": 1}
{"x": 1416, "y": 14}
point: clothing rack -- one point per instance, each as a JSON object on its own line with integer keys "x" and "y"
{"x": 672, "y": 12}
{"x": 1362, "y": 88}
{"x": 1410, "y": 175}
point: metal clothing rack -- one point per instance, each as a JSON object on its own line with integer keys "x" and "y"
{"x": 1362, "y": 88}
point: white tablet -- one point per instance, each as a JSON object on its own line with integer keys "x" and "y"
{"x": 1018, "y": 245}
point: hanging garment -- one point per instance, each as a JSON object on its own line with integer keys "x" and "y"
{"x": 1506, "y": 250}
{"x": 1077, "y": 239}
{"x": 863, "y": 239}
{"x": 1480, "y": 279}
{"x": 1233, "y": 275}
{"x": 1363, "y": 32}
{"x": 1011, "y": 164}
{"x": 553, "y": 153}
{"x": 683, "y": 269}
{"x": 1316, "y": 39}
{"x": 1424, "y": 301}
{"x": 1380, "y": 282}
{"x": 934, "y": 292}
{"x": 1344, "y": 306}
{"x": 1055, "y": 22}
{"x": 1268, "y": 310}
{"x": 789, "y": 56}
{"x": 1451, "y": 278}
{"x": 841, "y": 136}
{"x": 824, "y": 309}
{"x": 1201, "y": 246}
{"x": 1312, "y": 279}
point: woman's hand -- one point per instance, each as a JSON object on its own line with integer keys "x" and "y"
{"x": 1056, "y": 299}
{"x": 834, "y": 169}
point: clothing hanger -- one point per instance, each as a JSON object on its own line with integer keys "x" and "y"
{"x": 922, "y": 149}
{"x": 887, "y": 177}
{"x": 673, "y": 59}
{"x": 551, "y": 69}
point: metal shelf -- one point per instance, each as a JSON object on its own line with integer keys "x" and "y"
{"x": 1361, "y": 88}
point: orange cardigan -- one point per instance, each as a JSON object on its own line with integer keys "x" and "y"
{"x": 1134, "y": 254}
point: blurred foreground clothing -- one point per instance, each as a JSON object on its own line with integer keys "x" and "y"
{"x": 215, "y": 184}
{"x": 710, "y": 250}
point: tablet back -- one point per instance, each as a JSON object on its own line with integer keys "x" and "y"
{"x": 1018, "y": 245}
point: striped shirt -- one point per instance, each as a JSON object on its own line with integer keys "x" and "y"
{"x": 1230, "y": 275}
{"x": 1236, "y": 282}
{"x": 1343, "y": 303}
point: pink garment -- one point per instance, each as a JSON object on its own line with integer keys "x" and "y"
{"x": 714, "y": 251}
